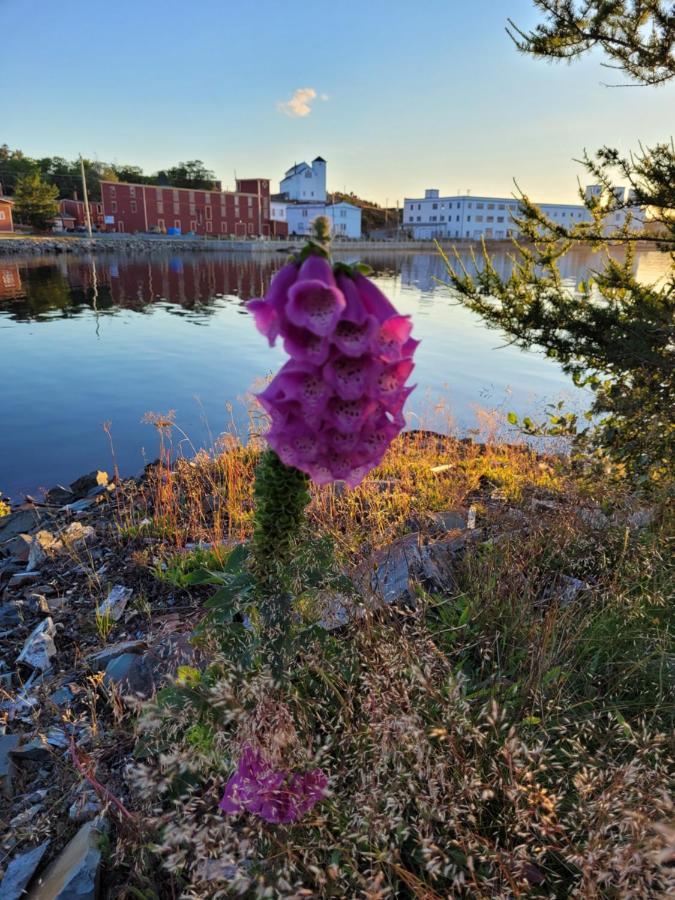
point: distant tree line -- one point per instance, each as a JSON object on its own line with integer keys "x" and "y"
{"x": 65, "y": 175}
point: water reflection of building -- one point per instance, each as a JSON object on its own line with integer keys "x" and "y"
{"x": 10, "y": 281}
{"x": 187, "y": 281}
{"x": 427, "y": 271}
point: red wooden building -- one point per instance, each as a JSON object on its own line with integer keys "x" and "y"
{"x": 75, "y": 208}
{"x": 6, "y": 214}
{"x": 241, "y": 213}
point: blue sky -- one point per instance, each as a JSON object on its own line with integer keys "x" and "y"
{"x": 408, "y": 94}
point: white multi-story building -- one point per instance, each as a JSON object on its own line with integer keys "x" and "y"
{"x": 466, "y": 216}
{"x": 344, "y": 218}
{"x": 305, "y": 184}
{"x": 302, "y": 199}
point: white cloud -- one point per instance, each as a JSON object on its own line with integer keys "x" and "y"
{"x": 300, "y": 104}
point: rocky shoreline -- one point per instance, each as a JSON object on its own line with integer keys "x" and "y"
{"x": 78, "y": 246}
{"x": 88, "y": 628}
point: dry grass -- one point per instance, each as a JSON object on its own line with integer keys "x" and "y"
{"x": 500, "y": 742}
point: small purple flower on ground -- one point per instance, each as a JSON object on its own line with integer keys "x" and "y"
{"x": 277, "y": 796}
{"x": 337, "y": 404}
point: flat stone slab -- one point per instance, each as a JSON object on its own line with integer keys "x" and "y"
{"x": 99, "y": 660}
{"x": 19, "y": 522}
{"x": 74, "y": 874}
{"x": 20, "y": 871}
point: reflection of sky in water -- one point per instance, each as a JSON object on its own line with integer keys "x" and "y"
{"x": 90, "y": 341}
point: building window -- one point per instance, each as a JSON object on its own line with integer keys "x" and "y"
{"x": 434, "y": 205}
{"x": 113, "y": 191}
{"x": 304, "y": 214}
{"x": 160, "y": 207}
{"x": 176, "y": 223}
{"x": 113, "y": 206}
{"x": 479, "y": 206}
{"x": 175, "y": 196}
{"x": 2, "y": 214}
{"x": 133, "y": 206}
{"x": 458, "y": 221}
{"x": 419, "y": 218}
{"x": 470, "y": 205}
{"x": 223, "y": 227}
{"x": 176, "y": 209}
{"x": 191, "y": 196}
{"x": 132, "y": 191}
{"x": 468, "y": 219}
{"x": 500, "y": 218}
{"x": 412, "y": 206}
{"x": 490, "y": 206}
{"x": 500, "y": 206}
{"x": 209, "y": 212}
{"x": 158, "y": 193}
{"x": 490, "y": 219}
{"x": 442, "y": 218}
{"x": 193, "y": 225}
{"x": 343, "y": 213}
{"x": 207, "y": 199}
{"x": 411, "y": 218}
{"x": 479, "y": 218}
{"x": 419, "y": 206}
{"x": 208, "y": 226}
{"x": 160, "y": 223}
{"x": 193, "y": 209}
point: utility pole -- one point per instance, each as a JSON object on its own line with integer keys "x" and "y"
{"x": 86, "y": 196}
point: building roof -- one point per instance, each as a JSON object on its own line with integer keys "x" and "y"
{"x": 298, "y": 167}
{"x": 4, "y": 199}
{"x": 318, "y": 159}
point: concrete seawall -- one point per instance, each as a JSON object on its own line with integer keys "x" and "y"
{"x": 43, "y": 246}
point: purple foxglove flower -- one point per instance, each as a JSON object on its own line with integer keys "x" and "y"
{"x": 337, "y": 404}
{"x": 314, "y": 302}
{"x": 277, "y": 796}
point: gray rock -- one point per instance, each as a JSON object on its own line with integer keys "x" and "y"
{"x": 99, "y": 660}
{"x": 18, "y": 547}
{"x": 20, "y": 871}
{"x": 115, "y": 603}
{"x": 85, "y": 483}
{"x": 41, "y": 543}
{"x": 10, "y": 614}
{"x": 449, "y": 519}
{"x": 19, "y": 522}
{"x": 74, "y": 874}
{"x": 59, "y": 496}
{"x": 76, "y": 535}
{"x": 392, "y": 573}
{"x": 79, "y": 505}
{"x": 7, "y": 743}
{"x": 23, "y": 579}
{"x": 39, "y": 649}
{"x": 569, "y": 588}
{"x": 62, "y": 697}
{"x": 392, "y": 569}
{"x": 34, "y": 751}
{"x": 85, "y": 805}
{"x": 641, "y": 518}
{"x": 593, "y": 517}
{"x": 131, "y": 674}
{"x": 166, "y": 655}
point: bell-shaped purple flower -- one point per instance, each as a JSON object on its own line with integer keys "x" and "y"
{"x": 337, "y": 404}
{"x": 276, "y": 795}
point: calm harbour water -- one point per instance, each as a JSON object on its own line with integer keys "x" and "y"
{"x": 88, "y": 341}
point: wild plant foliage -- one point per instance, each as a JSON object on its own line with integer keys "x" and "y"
{"x": 638, "y": 36}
